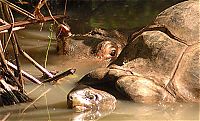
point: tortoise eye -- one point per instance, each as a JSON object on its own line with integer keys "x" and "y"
{"x": 113, "y": 53}
{"x": 70, "y": 97}
{"x": 90, "y": 96}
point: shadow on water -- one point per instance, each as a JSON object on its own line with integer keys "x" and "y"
{"x": 126, "y": 16}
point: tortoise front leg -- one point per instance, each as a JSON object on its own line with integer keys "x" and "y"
{"x": 143, "y": 90}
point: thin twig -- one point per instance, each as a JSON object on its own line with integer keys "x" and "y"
{"x": 23, "y": 23}
{"x": 45, "y": 96}
{"x": 36, "y": 100}
{"x": 51, "y": 14}
{"x": 6, "y": 13}
{"x": 5, "y": 66}
{"x": 3, "y": 22}
{"x": 14, "y": 29}
{"x": 35, "y": 63}
{"x": 62, "y": 89}
{"x": 25, "y": 74}
{"x": 28, "y": 93}
{"x": 9, "y": 88}
{"x": 65, "y": 11}
{"x": 8, "y": 40}
{"x": 49, "y": 44}
{"x": 16, "y": 52}
{"x": 6, "y": 117}
{"x": 18, "y": 9}
{"x": 40, "y": 4}
{"x": 59, "y": 76}
{"x": 7, "y": 16}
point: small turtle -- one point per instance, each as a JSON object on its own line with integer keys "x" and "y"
{"x": 161, "y": 62}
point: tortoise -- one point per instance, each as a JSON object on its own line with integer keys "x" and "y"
{"x": 98, "y": 43}
{"x": 160, "y": 64}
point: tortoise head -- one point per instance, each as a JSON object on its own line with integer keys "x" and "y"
{"x": 108, "y": 50}
{"x": 84, "y": 98}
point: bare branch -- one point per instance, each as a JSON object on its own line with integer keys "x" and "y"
{"x": 23, "y": 23}
{"x": 18, "y": 9}
{"x": 6, "y": 117}
{"x": 36, "y": 99}
{"x": 25, "y": 74}
{"x": 36, "y": 64}
{"x": 59, "y": 76}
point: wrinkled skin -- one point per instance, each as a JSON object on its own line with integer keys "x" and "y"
{"x": 90, "y": 103}
{"x": 99, "y": 44}
{"x": 161, "y": 63}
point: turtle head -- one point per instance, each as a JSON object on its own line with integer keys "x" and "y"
{"x": 84, "y": 98}
{"x": 108, "y": 50}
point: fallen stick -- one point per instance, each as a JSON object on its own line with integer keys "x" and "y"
{"x": 28, "y": 93}
{"x": 14, "y": 29}
{"x": 61, "y": 75}
{"x": 23, "y": 23}
{"x": 5, "y": 66}
{"x": 6, "y": 117}
{"x": 16, "y": 54}
{"x": 9, "y": 89}
{"x": 18, "y": 9}
{"x": 36, "y": 64}
{"x": 3, "y": 22}
{"x": 25, "y": 74}
{"x": 36, "y": 100}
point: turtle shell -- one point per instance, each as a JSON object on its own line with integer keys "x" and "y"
{"x": 182, "y": 20}
{"x": 167, "y": 60}
{"x": 160, "y": 64}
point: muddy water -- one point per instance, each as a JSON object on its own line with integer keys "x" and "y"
{"x": 35, "y": 43}
{"x": 52, "y": 106}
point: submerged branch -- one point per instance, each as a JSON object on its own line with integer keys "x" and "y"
{"x": 28, "y": 93}
{"x": 6, "y": 117}
{"x": 25, "y": 74}
{"x": 36, "y": 64}
{"x": 36, "y": 100}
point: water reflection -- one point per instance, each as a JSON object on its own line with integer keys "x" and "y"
{"x": 125, "y": 111}
{"x": 177, "y": 111}
{"x": 89, "y": 115}
{"x": 121, "y": 15}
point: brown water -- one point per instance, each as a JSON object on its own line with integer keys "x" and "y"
{"x": 52, "y": 106}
